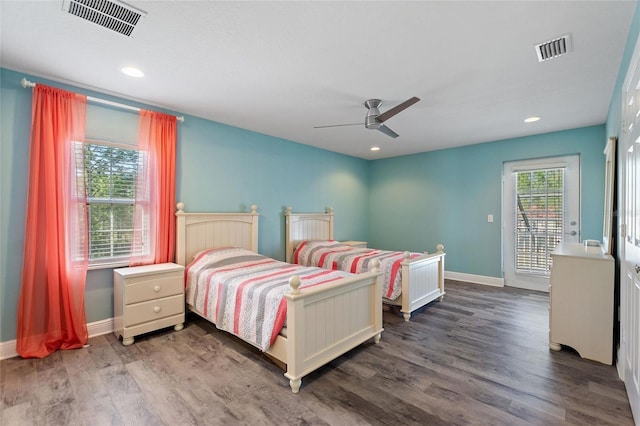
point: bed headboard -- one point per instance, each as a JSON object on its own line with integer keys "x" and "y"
{"x": 306, "y": 226}
{"x": 200, "y": 231}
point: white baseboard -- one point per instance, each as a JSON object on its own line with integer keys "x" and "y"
{"x": 8, "y": 349}
{"x": 97, "y": 328}
{"x": 619, "y": 365}
{"x": 475, "y": 279}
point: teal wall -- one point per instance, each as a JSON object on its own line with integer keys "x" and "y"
{"x": 445, "y": 196}
{"x": 412, "y": 202}
{"x": 227, "y": 169}
{"x": 219, "y": 168}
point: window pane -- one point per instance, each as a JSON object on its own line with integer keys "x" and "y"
{"x": 539, "y": 218}
{"x": 111, "y": 191}
{"x": 110, "y": 230}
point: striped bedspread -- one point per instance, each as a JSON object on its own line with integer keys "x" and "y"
{"x": 336, "y": 256}
{"x": 242, "y": 292}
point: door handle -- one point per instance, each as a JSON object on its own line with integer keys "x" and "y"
{"x": 572, "y": 233}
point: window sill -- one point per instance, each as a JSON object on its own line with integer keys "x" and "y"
{"x": 110, "y": 265}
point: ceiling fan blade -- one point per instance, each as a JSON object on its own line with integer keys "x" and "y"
{"x": 337, "y": 125}
{"x": 396, "y": 109}
{"x": 387, "y": 131}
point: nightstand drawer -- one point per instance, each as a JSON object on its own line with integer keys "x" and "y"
{"x": 153, "y": 310}
{"x": 154, "y": 287}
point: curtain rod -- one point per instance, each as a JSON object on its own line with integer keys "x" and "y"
{"x": 26, "y": 83}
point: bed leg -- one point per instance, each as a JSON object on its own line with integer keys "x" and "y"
{"x": 440, "y": 299}
{"x": 377, "y": 337}
{"x": 295, "y": 385}
{"x": 406, "y": 316}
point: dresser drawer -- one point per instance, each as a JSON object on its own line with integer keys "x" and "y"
{"x": 154, "y": 287}
{"x": 152, "y": 310}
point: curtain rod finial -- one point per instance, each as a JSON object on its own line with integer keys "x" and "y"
{"x": 26, "y": 83}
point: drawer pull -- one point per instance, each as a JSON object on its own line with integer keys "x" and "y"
{"x": 156, "y": 309}
{"x": 156, "y": 288}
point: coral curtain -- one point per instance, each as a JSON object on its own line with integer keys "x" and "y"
{"x": 154, "y": 211}
{"x": 51, "y": 312}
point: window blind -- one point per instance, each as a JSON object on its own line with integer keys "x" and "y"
{"x": 539, "y": 221}
{"x": 110, "y": 179}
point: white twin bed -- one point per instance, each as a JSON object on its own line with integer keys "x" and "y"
{"x": 419, "y": 278}
{"x": 322, "y": 321}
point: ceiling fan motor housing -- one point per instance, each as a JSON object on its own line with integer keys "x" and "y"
{"x": 370, "y": 121}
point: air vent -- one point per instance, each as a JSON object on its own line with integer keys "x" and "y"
{"x": 114, "y": 15}
{"x": 554, "y": 48}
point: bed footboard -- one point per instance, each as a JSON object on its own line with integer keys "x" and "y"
{"x": 326, "y": 321}
{"x": 422, "y": 281}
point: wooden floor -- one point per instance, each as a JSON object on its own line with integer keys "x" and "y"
{"x": 480, "y": 357}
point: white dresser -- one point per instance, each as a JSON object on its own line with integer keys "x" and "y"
{"x": 581, "y": 301}
{"x": 147, "y": 298}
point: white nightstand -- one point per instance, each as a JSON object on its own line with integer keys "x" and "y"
{"x": 147, "y": 298}
{"x": 360, "y": 244}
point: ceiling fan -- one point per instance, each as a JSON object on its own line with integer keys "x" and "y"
{"x": 375, "y": 120}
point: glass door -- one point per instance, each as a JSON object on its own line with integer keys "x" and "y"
{"x": 541, "y": 208}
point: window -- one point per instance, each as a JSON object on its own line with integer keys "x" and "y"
{"x": 110, "y": 181}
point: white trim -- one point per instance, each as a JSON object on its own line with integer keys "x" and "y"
{"x": 525, "y": 165}
{"x": 475, "y": 279}
{"x": 620, "y": 365}
{"x": 540, "y": 284}
{"x": 8, "y": 349}
{"x": 97, "y": 328}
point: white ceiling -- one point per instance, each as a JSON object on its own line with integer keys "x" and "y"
{"x": 280, "y": 68}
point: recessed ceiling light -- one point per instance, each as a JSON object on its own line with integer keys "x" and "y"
{"x": 375, "y": 148}
{"x": 132, "y": 72}
{"x": 531, "y": 119}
